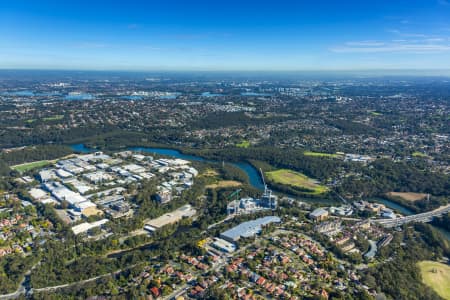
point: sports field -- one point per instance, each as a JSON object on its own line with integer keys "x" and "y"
{"x": 243, "y": 144}
{"x": 54, "y": 118}
{"x": 30, "y": 166}
{"x": 296, "y": 179}
{"x": 437, "y": 276}
{"x": 419, "y": 154}
{"x": 320, "y": 154}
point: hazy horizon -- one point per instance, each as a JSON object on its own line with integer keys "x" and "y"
{"x": 231, "y": 36}
{"x": 349, "y": 72}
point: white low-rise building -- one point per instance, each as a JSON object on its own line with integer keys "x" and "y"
{"x": 98, "y": 177}
{"x": 80, "y": 206}
{"x": 47, "y": 175}
{"x": 63, "y": 173}
{"x": 223, "y": 245}
{"x": 134, "y": 168}
{"x": 85, "y": 227}
{"x": 37, "y": 194}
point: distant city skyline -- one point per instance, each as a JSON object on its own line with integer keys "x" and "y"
{"x": 225, "y": 36}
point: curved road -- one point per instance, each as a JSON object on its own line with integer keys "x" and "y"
{"x": 23, "y": 289}
{"x": 422, "y": 217}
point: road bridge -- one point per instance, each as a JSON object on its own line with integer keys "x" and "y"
{"x": 422, "y": 217}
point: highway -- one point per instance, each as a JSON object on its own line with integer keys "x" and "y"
{"x": 422, "y": 217}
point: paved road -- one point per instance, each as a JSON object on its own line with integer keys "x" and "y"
{"x": 372, "y": 251}
{"x": 51, "y": 288}
{"x": 14, "y": 295}
{"x": 24, "y": 285}
{"x": 24, "y": 290}
{"x": 423, "y": 217}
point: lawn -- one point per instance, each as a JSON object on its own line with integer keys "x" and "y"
{"x": 224, "y": 184}
{"x": 320, "y": 154}
{"x": 408, "y": 196}
{"x": 30, "y": 166}
{"x": 53, "y": 118}
{"x": 296, "y": 180}
{"x": 243, "y": 144}
{"x": 437, "y": 276}
{"x": 419, "y": 154}
{"x": 210, "y": 173}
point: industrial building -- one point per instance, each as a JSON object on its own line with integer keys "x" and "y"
{"x": 47, "y": 175}
{"x": 185, "y": 211}
{"x": 344, "y": 210}
{"x": 85, "y": 227}
{"x": 248, "y": 229}
{"x": 81, "y": 182}
{"x": 223, "y": 245}
{"x": 164, "y": 196}
{"x": 249, "y": 204}
{"x": 319, "y": 214}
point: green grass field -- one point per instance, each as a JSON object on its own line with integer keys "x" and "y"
{"x": 437, "y": 276}
{"x": 419, "y": 154}
{"x": 296, "y": 179}
{"x": 30, "y": 166}
{"x": 243, "y": 144}
{"x": 53, "y": 118}
{"x": 320, "y": 154}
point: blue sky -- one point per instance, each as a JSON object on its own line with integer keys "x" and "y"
{"x": 225, "y": 35}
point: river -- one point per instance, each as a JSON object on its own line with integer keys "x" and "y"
{"x": 407, "y": 212}
{"x": 393, "y": 205}
{"x": 252, "y": 173}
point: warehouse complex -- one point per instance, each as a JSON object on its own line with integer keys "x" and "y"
{"x": 248, "y": 229}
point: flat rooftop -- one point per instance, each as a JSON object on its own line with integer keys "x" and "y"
{"x": 84, "y": 227}
{"x": 172, "y": 217}
{"x": 248, "y": 229}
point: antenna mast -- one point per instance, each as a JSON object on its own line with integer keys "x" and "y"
{"x": 267, "y": 192}
{"x": 264, "y": 182}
